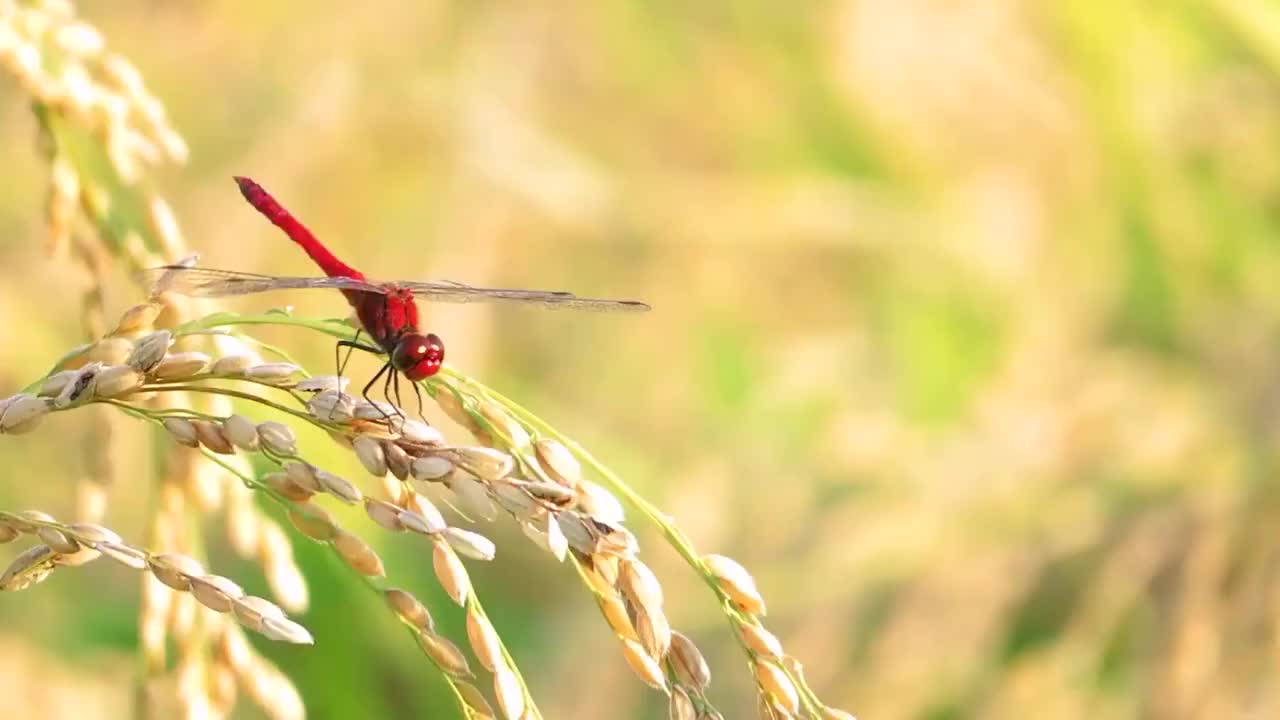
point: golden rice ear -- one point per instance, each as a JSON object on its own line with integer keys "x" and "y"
{"x": 173, "y": 364}
{"x": 518, "y": 468}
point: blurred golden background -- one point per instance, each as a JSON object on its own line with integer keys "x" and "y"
{"x": 964, "y": 341}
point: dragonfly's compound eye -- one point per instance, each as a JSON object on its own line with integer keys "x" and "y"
{"x": 418, "y": 356}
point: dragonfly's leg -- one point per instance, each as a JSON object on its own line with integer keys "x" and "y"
{"x": 386, "y": 387}
{"x": 365, "y": 391}
{"x": 337, "y": 350}
{"x": 386, "y": 392}
{"x": 399, "y": 402}
{"x": 418, "y": 393}
{"x": 350, "y": 345}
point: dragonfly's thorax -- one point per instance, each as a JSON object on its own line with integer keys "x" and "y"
{"x": 391, "y": 317}
{"x": 387, "y": 316}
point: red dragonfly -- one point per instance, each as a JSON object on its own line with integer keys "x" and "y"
{"x": 387, "y": 311}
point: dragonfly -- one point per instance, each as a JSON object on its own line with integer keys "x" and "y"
{"x": 387, "y": 311}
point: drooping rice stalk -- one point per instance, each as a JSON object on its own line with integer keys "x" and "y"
{"x": 173, "y": 363}
{"x": 521, "y": 468}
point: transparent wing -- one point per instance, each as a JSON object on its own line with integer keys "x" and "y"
{"x": 207, "y": 282}
{"x": 447, "y": 291}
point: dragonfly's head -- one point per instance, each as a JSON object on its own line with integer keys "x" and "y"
{"x": 418, "y": 356}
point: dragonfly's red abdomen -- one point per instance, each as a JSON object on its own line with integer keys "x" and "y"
{"x": 386, "y": 317}
{"x": 263, "y": 202}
